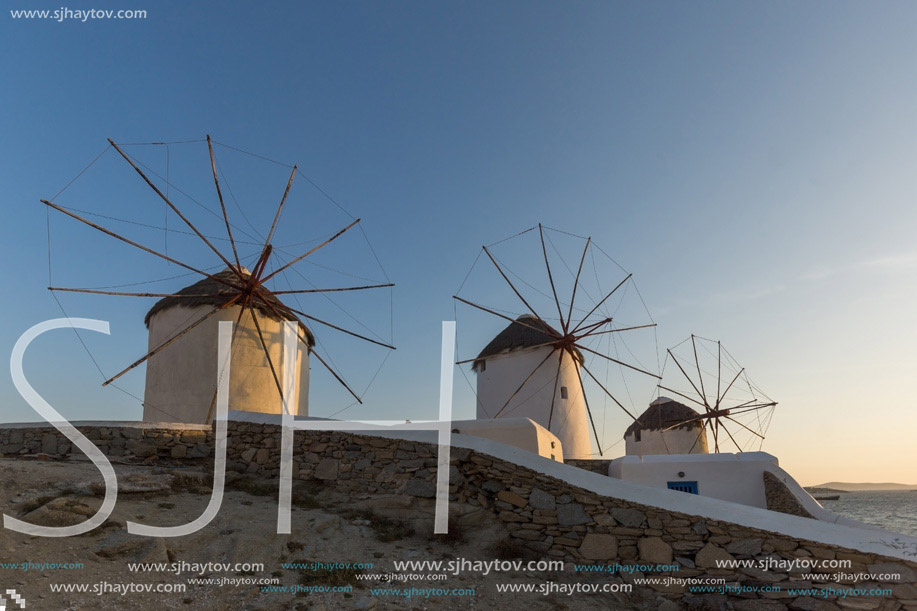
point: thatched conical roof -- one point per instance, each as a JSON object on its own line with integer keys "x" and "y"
{"x": 209, "y": 292}
{"x": 533, "y": 332}
{"x": 664, "y": 413}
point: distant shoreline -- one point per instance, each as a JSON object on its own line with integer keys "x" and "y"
{"x": 835, "y": 487}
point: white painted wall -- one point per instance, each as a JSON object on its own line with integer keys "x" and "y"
{"x": 520, "y": 433}
{"x": 676, "y": 441}
{"x": 731, "y": 477}
{"x": 181, "y": 379}
{"x": 504, "y": 373}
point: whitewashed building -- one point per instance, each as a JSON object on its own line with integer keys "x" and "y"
{"x": 666, "y": 427}
{"x": 182, "y": 378}
{"x": 520, "y": 375}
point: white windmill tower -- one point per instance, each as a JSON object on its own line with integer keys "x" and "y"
{"x": 533, "y": 370}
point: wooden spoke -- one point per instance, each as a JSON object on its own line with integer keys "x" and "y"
{"x": 619, "y": 330}
{"x": 511, "y": 285}
{"x": 545, "y": 330}
{"x": 216, "y": 182}
{"x": 264, "y": 347}
{"x": 334, "y": 290}
{"x": 622, "y": 363}
{"x": 303, "y": 256}
{"x": 723, "y": 424}
{"x": 140, "y": 246}
{"x": 590, "y": 328}
{"x": 607, "y": 392}
{"x": 560, "y": 362}
{"x": 174, "y": 208}
{"x": 719, "y": 372}
{"x": 120, "y": 294}
{"x": 725, "y": 392}
{"x": 575, "y": 285}
{"x": 682, "y": 395}
{"x": 599, "y": 304}
{"x": 337, "y": 328}
{"x": 286, "y": 192}
{"x": 544, "y": 250}
{"x": 336, "y": 376}
{"x": 753, "y": 432}
{"x": 232, "y": 341}
{"x": 497, "y": 356}
{"x": 527, "y": 378}
{"x": 161, "y": 346}
{"x": 595, "y": 431}
{"x": 700, "y": 377}
{"x": 685, "y": 373}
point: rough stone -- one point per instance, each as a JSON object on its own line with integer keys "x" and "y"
{"x": 747, "y": 547}
{"x": 597, "y": 546}
{"x": 708, "y": 556}
{"x": 539, "y": 499}
{"x": 141, "y": 449}
{"x": 512, "y": 498}
{"x": 630, "y": 518}
{"x": 327, "y": 469}
{"x": 654, "y": 550}
{"x": 419, "y": 487}
{"x": 572, "y": 514}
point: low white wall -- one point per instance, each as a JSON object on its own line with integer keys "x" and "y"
{"x": 520, "y": 433}
{"x": 730, "y": 477}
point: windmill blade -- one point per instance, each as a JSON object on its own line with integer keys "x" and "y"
{"x": 216, "y": 182}
{"x": 264, "y": 347}
{"x": 283, "y": 199}
{"x": 730, "y": 436}
{"x": 527, "y": 378}
{"x": 498, "y": 356}
{"x": 575, "y": 285}
{"x": 593, "y": 327}
{"x": 682, "y": 395}
{"x": 140, "y": 246}
{"x": 175, "y": 209}
{"x": 753, "y": 432}
{"x": 335, "y": 374}
{"x": 685, "y": 373}
{"x": 120, "y": 294}
{"x": 595, "y": 432}
{"x": 546, "y": 330}
{"x": 560, "y": 362}
{"x": 622, "y": 363}
{"x": 232, "y": 341}
{"x": 511, "y": 285}
{"x": 337, "y": 328}
{"x": 700, "y": 377}
{"x": 163, "y": 345}
{"x": 618, "y": 330}
{"x": 309, "y": 252}
{"x": 334, "y": 290}
{"x": 607, "y": 392}
{"x": 599, "y": 304}
{"x": 544, "y": 250}
{"x": 725, "y": 392}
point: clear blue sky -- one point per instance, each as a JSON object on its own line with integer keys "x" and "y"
{"x": 751, "y": 163}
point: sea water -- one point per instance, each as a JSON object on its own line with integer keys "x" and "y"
{"x": 889, "y": 509}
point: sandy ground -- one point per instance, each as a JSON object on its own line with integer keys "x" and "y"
{"x": 326, "y": 528}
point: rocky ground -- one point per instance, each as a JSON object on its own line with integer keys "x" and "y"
{"x": 327, "y": 527}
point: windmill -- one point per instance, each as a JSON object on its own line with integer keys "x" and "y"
{"x": 541, "y": 365}
{"x": 703, "y": 373}
{"x": 240, "y": 293}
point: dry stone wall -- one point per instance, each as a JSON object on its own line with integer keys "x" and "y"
{"x": 542, "y": 514}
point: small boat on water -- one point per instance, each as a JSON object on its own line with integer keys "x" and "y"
{"x": 827, "y": 497}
